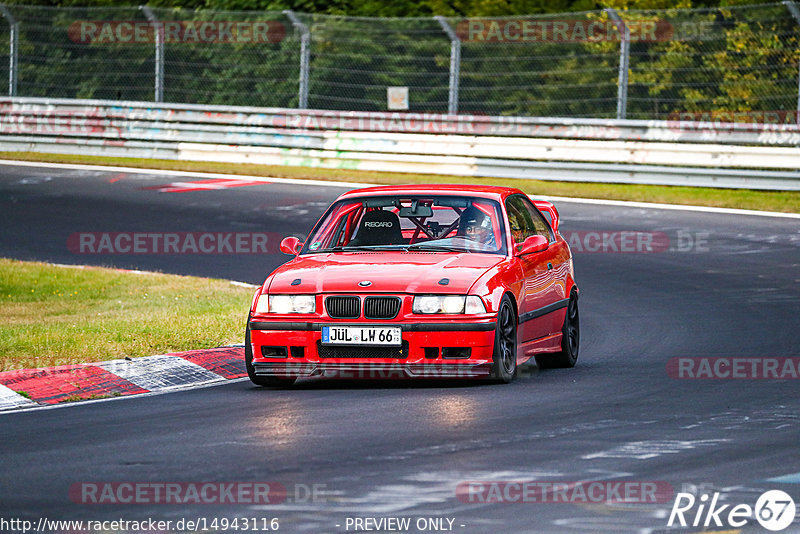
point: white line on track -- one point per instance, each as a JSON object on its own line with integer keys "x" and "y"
{"x": 326, "y": 183}
{"x": 136, "y": 170}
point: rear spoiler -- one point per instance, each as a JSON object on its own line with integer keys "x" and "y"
{"x": 545, "y": 206}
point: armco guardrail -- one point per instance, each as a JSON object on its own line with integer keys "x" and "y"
{"x": 467, "y": 145}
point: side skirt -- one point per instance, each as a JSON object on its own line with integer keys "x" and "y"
{"x": 550, "y": 343}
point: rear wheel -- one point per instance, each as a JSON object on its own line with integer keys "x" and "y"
{"x": 570, "y": 339}
{"x": 505, "y": 343}
{"x": 260, "y": 380}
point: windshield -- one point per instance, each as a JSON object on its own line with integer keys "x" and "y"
{"x": 436, "y": 223}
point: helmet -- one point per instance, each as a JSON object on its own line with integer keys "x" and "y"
{"x": 474, "y": 220}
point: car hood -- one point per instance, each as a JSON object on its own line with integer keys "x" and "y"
{"x": 388, "y": 272}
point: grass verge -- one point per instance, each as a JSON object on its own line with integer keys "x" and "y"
{"x": 782, "y": 201}
{"x": 52, "y": 315}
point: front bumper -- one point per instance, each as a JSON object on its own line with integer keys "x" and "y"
{"x": 432, "y": 350}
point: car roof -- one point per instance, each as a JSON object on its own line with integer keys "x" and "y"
{"x": 487, "y": 191}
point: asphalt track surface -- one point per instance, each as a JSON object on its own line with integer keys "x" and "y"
{"x": 384, "y": 449}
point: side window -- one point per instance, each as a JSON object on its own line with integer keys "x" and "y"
{"x": 539, "y": 222}
{"x": 525, "y": 220}
{"x": 520, "y": 225}
{"x": 345, "y": 228}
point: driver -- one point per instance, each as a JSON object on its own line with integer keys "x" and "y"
{"x": 477, "y": 226}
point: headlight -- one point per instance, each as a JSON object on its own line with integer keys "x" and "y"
{"x": 262, "y": 304}
{"x": 453, "y": 304}
{"x": 427, "y": 304}
{"x": 286, "y": 304}
{"x": 305, "y": 304}
{"x": 450, "y": 304}
{"x": 474, "y": 305}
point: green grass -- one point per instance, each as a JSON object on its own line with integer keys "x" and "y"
{"x": 80, "y": 398}
{"x": 52, "y": 315}
{"x": 782, "y": 201}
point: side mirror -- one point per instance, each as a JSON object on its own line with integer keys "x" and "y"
{"x": 534, "y": 243}
{"x": 291, "y": 245}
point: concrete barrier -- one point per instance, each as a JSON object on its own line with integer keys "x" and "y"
{"x": 588, "y": 150}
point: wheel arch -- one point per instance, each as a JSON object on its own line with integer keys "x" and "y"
{"x": 514, "y": 304}
{"x": 495, "y": 283}
{"x": 570, "y": 286}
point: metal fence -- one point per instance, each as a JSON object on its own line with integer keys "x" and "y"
{"x": 603, "y": 64}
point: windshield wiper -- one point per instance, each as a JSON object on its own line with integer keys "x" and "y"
{"x": 435, "y": 248}
{"x": 357, "y": 248}
{"x": 416, "y": 246}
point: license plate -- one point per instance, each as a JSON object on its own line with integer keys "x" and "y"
{"x": 362, "y": 335}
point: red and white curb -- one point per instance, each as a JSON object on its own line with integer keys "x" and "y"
{"x": 29, "y": 388}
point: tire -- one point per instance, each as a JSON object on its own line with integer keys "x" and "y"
{"x": 504, "y": 358}
{"x": 570, "y": 339}
{"x": 260, "y": 380}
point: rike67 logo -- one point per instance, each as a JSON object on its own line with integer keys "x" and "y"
{"x": 774, "y": 510}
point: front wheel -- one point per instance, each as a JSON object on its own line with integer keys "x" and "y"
{"x": 260, "y": 380}
{"x": 505, "y": 343}
{"x": 570, "y": 339}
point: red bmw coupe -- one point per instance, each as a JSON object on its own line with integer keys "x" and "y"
{"x": 418, "y": 281}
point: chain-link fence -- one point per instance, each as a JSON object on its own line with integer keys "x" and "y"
{"x": 604, "y": 64}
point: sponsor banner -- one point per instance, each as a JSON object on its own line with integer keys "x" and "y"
{"x": 733, "y": 368}
{"x": 173, "y": 242}
{"x": 560, "y": 31}
{"x": 561, "y": 492}
{"x": 176, "y": 31}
